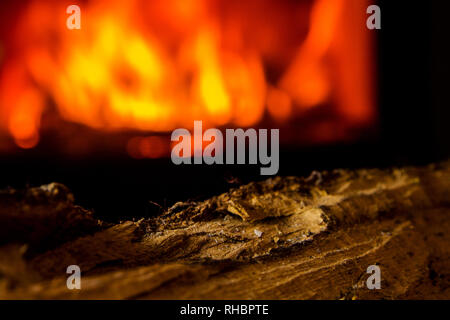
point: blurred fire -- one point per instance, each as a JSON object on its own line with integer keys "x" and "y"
{"x": 158, "y": 65}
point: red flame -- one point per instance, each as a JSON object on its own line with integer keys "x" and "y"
{"x": 155, "y": 66}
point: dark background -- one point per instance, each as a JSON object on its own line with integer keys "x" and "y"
{"x": 413, "y": 100}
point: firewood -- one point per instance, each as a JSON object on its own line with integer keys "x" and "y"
{"x": 282, "y": 238}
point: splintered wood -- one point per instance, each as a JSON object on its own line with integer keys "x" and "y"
{"x": 283, "y": 238}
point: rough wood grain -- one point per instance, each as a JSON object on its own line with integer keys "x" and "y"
{"x": 283, "y": 238}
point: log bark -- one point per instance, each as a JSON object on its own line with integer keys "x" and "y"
{"x": 283, "y": 238}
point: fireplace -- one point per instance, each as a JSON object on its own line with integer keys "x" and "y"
{"x": 144, "y": 69}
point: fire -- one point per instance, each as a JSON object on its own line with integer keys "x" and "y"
{"x": 156, "y": 66}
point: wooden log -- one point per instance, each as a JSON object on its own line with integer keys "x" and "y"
{"x": 283, "y": 238}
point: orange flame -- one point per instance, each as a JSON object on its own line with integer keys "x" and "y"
{"x": 155, "y": 66}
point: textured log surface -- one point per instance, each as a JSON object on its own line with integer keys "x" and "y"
{"x": 284, "y": 238}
